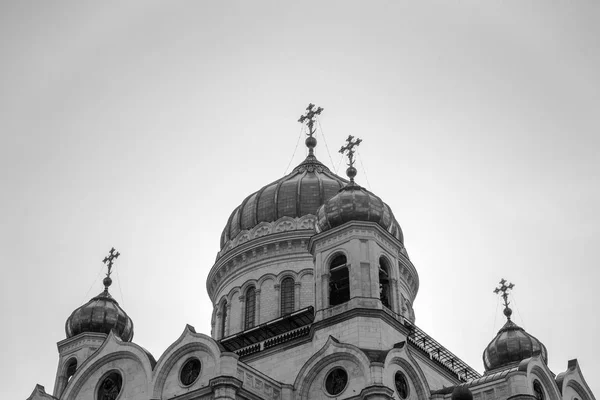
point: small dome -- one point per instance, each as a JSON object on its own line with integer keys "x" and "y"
{"x": 462, "y": 393}
{"x": 511, "y": 345}
{"x": 297, "y": 194}
{"x": 354, "y": 203}
{"x": 101, "y": 315}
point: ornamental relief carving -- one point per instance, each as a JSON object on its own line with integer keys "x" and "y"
{"x": 283, "y": 224}
{"x": 252, "y": 257}
{"x": 259, "y": 386}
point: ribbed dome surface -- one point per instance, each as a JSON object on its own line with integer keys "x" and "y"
{"x": 101, "y": 315}
{"x": 511, "y": 345}
{"x": 354, "y": 203}
{"x": 297, "y": 194}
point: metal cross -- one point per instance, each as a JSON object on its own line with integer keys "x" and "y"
{"x": 504, "y": 288}
{"x": 309, "y": 118}
{"x": 108, "y": 260}
{"x": 350, "y": 148}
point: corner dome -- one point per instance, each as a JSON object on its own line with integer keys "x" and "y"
{"x": 297, "y": 194}
{"x": 510, "y": 346}
{"x": 100, "y": 315}
{"x": 355, "y": 203}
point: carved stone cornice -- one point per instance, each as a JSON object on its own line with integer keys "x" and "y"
{"x": 229, "y": 381}
{"x": 261, "y": 251}
{"x": 376, "y": 392}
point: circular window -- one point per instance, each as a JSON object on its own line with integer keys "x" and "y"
{"x": 190, "y": 371}
{"x": 110, "y": 387}
{"x": 538, "y": 391}
{"x": 336, "y": 381}
{"x": 401, "y": 385}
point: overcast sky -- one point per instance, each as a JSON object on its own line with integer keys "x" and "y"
{"x": 142, "y": 125}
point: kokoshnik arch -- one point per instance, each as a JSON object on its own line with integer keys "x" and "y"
{"x": 312, "y": 294}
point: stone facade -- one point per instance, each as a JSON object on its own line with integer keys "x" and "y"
{"x": 342, "y": 328}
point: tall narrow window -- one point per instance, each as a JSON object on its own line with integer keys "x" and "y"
{"x": 250, "y": 307}
{"x": 71, "y": 368}
{"x": 384, "y": 282}
{"x": 223, "y": 318}
{"x": 339, "y": 281}
{"x": 287, "y": 296}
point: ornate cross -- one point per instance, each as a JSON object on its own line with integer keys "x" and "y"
{"x": 309, "y": 118}
{"x": 108, "y": 260}
{"x": 504, "y": 288}
{"x": 350, "y": 149}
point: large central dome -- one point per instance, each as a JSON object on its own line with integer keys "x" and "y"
{"x": 297, "y": 194}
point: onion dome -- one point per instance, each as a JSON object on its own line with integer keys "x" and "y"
{"x": 462, "y": 392}
{"x": 355, "y": 203}
{"x": 512, "y": 344}
{"x": 101, "y": 314}
{"x": 297, "y": 194}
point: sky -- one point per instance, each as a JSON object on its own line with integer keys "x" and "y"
{"x": 142, "y": 125}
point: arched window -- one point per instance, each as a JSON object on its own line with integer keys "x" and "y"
{"x": 71, "y": 368}
{"x": 384, "y": 282}
{"x": 223, "y": 318}
{"x": 538, "y": 391}
{"x": 287, "y": 296}
{"x": 250, "y": 307}
{"x": 110, "y": 387}
{"x": 339, "y": 281}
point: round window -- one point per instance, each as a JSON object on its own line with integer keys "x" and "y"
{"x": 538, "y": 391}
{"x": 336, "y": 381}
{"x": 110, "y": 387}
{"x": 401, "y": 384}
{"x": 190, "y": 371}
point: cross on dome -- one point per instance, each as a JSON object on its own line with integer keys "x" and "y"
{"x": 349, "y": 148}
{"x": 309, "y": 118}
{"x": 504, "y": 288}
{"x": 108, "y": 260}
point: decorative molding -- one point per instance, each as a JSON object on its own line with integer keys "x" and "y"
{"x": 283, "y": 224}
{"x": 255, "y": 384}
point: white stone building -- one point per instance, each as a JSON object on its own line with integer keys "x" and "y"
{"x": 312, "y": 295}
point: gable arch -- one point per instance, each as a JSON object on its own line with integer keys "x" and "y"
{"x": 402, "y": 357}
{"x": 328, "y": 363}
{"x": 414, "y": 373}
{"x": 167, "y": 365}
{"x": 331, "y": 352}
{"x": 549, "y": 386}
{"x": 83, "y": 377}
{"x": 579, "y": 389}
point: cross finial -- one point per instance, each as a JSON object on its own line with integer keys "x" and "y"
{"x": 504, "y": 288}
{"x": 349, "y": 148}
{"x": 108, "y": 260}
{"x": 309, "y": 117}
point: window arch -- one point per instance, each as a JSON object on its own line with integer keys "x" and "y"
{"x": 223, "y": 318}
{"x": 70, "y": 368}
{"x": 250, "y": 307}
{"x": 538, "y": 391}
{"x": 110, "y": 387}
{"x": 287, "y": 296}
{"x": 339, "y": 281}
{"x": 384, "y": 282}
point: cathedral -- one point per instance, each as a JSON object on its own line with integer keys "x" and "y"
{"x": 312, "y": 294}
